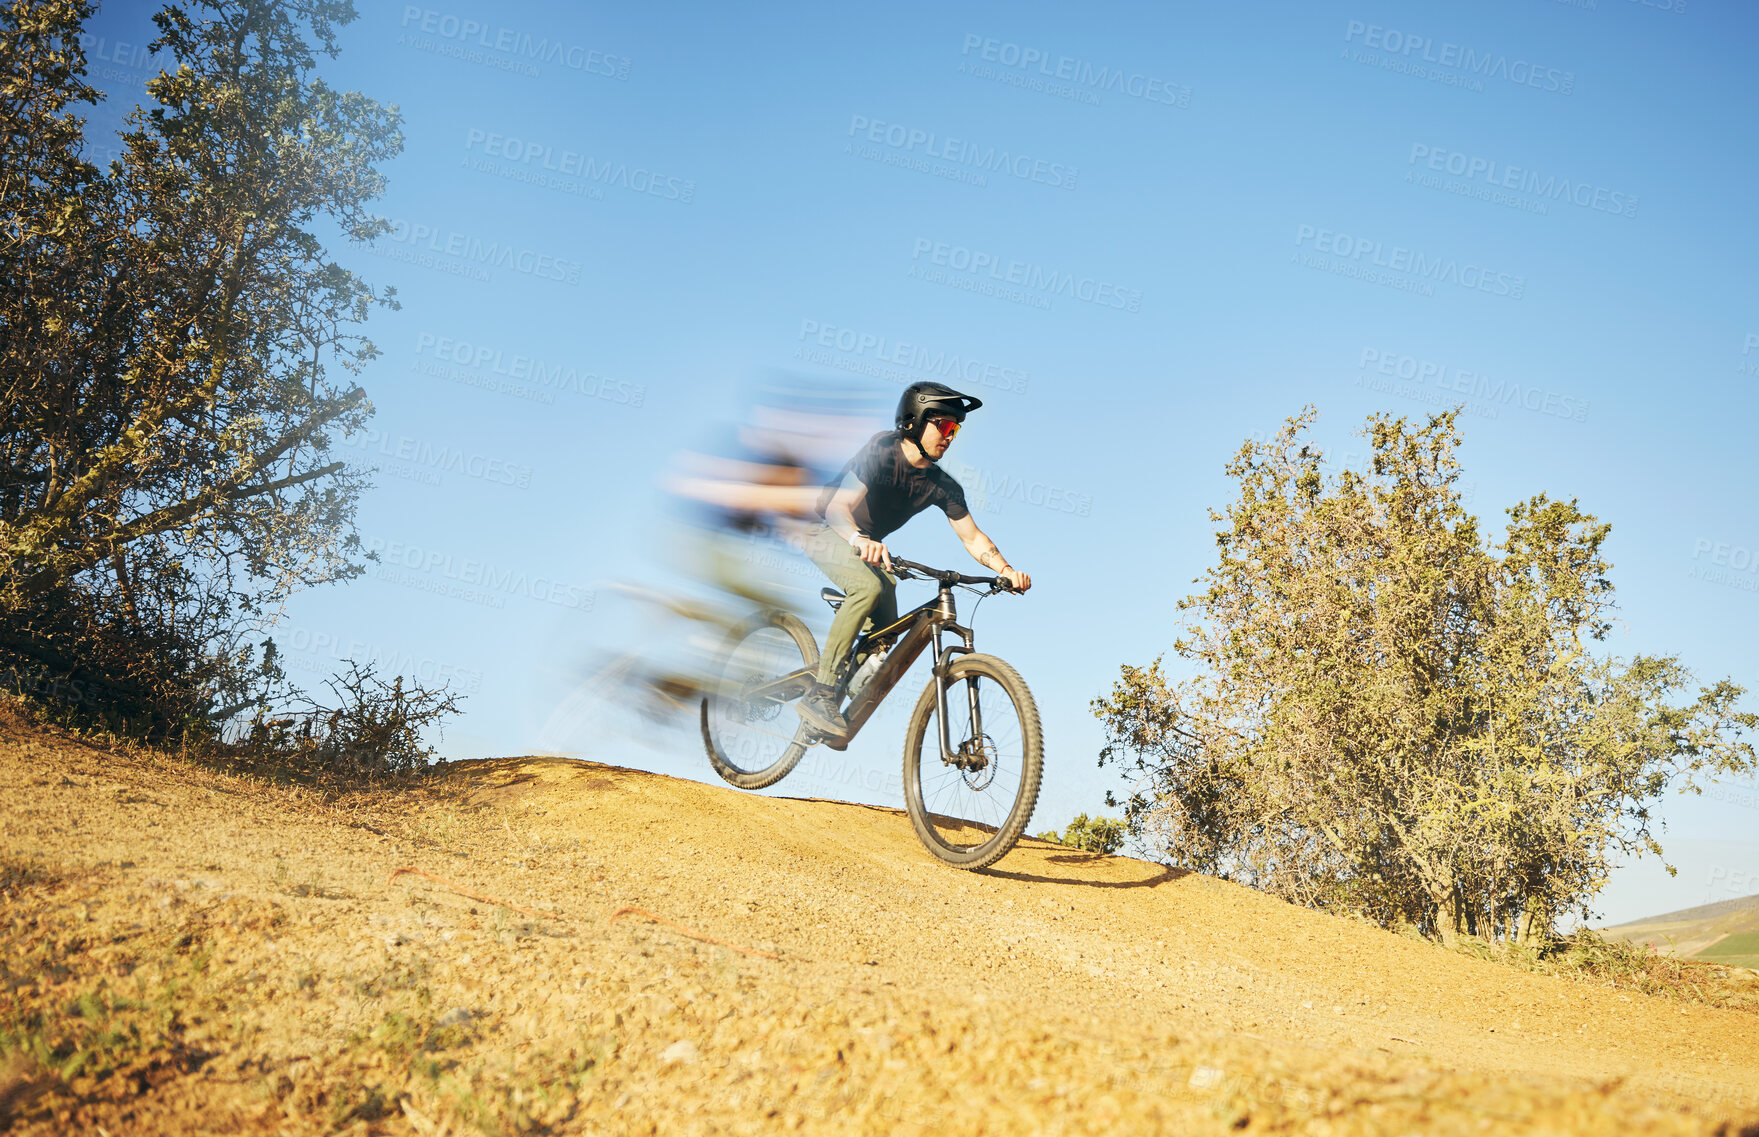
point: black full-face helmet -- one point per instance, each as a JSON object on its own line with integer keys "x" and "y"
{"x": 923, "y": 401}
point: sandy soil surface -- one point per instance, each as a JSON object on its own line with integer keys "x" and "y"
{"x": 203, "y": 953}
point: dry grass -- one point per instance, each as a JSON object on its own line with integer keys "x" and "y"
{"x": 1589, "y": 958}
{"x": 91, "y": 1016}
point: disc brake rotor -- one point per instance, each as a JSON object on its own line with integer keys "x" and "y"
{"x": 978, "y": 763}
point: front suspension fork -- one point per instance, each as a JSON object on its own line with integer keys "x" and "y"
{"x": 943, "y": 663}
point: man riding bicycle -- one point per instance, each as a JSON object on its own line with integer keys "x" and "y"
{"x": 896, "y": 477}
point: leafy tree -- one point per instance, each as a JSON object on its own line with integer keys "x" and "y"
{"x": 168, "y": 334}
{"x": 1090, "y": 835}
{"x": 1386, "y": 714}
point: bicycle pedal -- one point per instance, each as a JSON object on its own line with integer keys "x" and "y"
{"x": 816, "y": 737}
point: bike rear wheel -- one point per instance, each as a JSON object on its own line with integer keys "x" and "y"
{"x": 971, "y": 812}
{"x": 752, "y": 732}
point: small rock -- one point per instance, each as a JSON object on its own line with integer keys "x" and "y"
{"x": 683, "y": 1050}
{"x": 457, "y": 1016}
{"x": 1204, "y": 1077}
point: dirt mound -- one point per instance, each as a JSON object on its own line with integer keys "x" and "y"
{"x": 185, "y": 951}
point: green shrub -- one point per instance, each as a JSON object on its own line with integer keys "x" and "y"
{"x": 1090, "y": 835}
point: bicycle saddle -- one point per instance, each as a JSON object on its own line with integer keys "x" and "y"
{"x": 832, "y": 597}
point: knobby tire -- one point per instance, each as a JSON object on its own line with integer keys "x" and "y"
{"x": 716, "y": 702}
{"x": 922, "y": 730}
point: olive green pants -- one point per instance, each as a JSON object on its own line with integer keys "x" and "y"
{"x": 870, "y": 594}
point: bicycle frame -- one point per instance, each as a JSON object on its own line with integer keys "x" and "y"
{"x": 921, "y": 626}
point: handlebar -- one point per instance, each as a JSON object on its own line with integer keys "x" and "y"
{"x": 946, "y": 576}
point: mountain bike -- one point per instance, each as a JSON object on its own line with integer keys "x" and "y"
{"x": 971, "y": 796}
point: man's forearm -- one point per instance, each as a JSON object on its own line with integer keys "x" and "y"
{"x": 987, "y": 555}
{"x": 841, "y": 520}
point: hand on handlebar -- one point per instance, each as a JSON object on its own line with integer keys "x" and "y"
{"x": 872, "y": 552}
{"x": 1017, "y": 580}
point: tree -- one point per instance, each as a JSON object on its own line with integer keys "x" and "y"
{"x": 167, "y": 329}
{"x": 1387, "y": 715}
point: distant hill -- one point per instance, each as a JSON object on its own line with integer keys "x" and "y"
{"x": 1724, "y": 932}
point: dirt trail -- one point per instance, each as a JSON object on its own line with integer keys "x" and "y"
{"x": 235, "y": 959}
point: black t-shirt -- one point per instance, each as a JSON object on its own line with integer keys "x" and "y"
{"x": 896, "y": 490}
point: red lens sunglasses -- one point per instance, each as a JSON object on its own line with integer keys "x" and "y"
{"x": 947, "y": 426}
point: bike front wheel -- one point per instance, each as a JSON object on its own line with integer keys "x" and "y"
{"x": 750, "y": 727}
{"x": 970, "y": 811}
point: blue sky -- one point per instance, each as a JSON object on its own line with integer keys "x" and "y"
{"x": 1537, "y": 208}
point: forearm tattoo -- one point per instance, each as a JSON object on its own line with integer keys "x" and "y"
{"x": 991, "y": 558}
